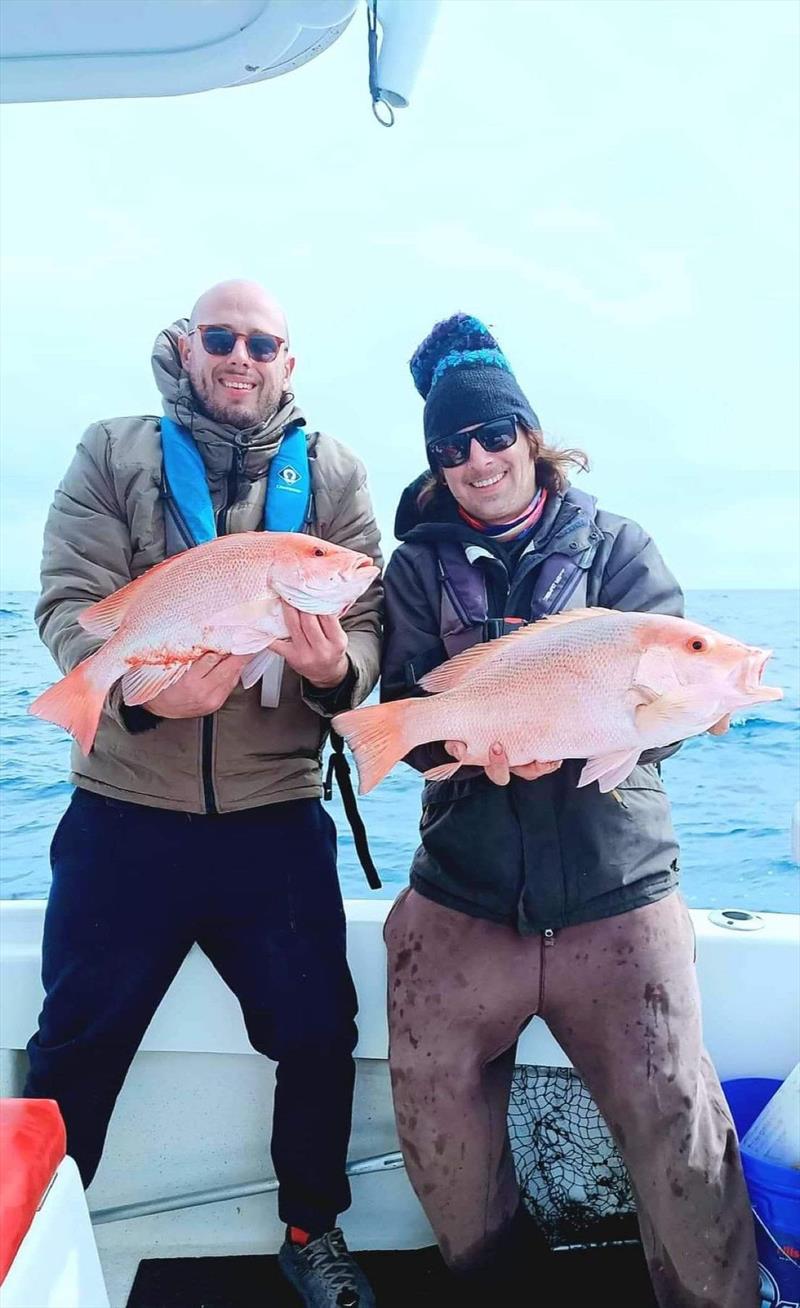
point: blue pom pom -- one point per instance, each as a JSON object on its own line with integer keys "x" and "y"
{"x": 461, "y": 334}
{"x": 471, "y": 359}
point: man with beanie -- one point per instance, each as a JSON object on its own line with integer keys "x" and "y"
{"x": 529, "y": 896}
{"x": 197, "y": 816}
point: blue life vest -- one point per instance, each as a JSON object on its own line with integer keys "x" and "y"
{"x": 189, "y": 513}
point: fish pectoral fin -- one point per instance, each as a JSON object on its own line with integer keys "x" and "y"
{"x": 443, "y": 772}
{"x": 263, "y": 613}
{"x": 691, "y": 709}
{"x": 644, "y": 694}
{"x": 263, "y": 663}
{"x": 608, "y": 770}
{"x": 247, "y": 640}
{"x": 145, "y": 682}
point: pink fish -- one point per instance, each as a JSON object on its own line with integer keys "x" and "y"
{"x": 594, "y": 684}
{"x": 223, "y": 597}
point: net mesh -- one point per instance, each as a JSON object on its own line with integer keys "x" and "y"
{"x": 572, "y": 1178}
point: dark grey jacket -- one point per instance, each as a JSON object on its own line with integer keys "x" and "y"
{"x": 533, "y": 854}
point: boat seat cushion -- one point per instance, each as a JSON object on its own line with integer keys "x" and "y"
{"x": 32, "y": 1144}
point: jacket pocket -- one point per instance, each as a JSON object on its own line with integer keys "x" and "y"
{"x": 471, "y": 843}
{"x": 619, "y": 838}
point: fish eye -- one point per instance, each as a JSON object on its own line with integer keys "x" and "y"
{"x": 697, "y": 643}
{"x": 318, "y": 553}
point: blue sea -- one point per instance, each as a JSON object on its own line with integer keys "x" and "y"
{"x": 732, "y": 796}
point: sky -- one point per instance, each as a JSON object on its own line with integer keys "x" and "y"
{"x": 612, "y": 184}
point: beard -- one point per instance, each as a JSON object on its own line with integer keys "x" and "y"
{"x": 266, "y": 404}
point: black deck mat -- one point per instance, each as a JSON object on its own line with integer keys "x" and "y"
{"x": 403, "y": 1279}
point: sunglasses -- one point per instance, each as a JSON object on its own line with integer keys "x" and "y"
{"x": 452, "y": 451}
{"x": 261, "y": 346}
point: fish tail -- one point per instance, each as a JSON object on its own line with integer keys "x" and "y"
{"x": 76, "y": 701}
{"x": 379, "y": 736}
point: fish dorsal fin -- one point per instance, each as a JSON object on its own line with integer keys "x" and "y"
{"x": 450, "y": 674}
{"x": 453, "y": 672}
{"x": 107, "y": 615}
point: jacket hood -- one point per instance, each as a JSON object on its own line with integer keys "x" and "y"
{"x": 440, "y": 508}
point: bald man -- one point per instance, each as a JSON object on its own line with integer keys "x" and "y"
{"x": 197, "y": 817}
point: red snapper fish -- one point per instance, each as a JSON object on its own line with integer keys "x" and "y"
{"x": 594, "y": 684}
{"x": 223, "y": 597}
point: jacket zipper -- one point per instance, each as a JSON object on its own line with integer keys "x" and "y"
{"x": 177, "y": 516}
{"x": 209, "y": 797}
{"x": 231, "y": 493}
{"x": 548, "y": 934}
{"x": 548, "y": 940}
{"x": 207, "y": 730}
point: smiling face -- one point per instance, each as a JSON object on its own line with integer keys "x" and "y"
{"x": 234, "y": 389}
{"x": 494, "y": 487}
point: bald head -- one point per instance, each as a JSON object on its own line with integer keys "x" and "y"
{"x": 240, "y": 297}
{"x": 234, "y": 388}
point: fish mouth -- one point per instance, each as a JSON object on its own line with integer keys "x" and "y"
{"x": 754, "y": 671}
{"x": 363, "y": 567}
{"x": 355, "y": 582}
{"x": 760, "y": 660}
{"x": 355, "y": 577}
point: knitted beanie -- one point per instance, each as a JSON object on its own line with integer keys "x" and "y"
{"x": 464, "y": 378}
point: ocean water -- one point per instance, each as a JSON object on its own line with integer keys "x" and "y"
{"x": 732, "y": 796}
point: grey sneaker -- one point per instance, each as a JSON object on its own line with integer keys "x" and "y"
{"x": 325, "y": 1274}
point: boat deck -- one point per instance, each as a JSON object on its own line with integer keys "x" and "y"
{"x": 615, "y": 1274}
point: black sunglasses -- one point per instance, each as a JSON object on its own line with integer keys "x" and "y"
{"x": 452, "y": 451}
{"x": 261, "y": 346}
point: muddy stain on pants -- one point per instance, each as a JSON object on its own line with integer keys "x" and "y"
{"x": 621, "y": 998}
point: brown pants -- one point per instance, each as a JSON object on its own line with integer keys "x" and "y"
{"x": 621, "y": 998}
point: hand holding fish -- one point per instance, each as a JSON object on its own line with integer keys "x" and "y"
{"x": 203, "y": 689}
{"x": 316, "y": 647}
{"x": 498, "y": 769}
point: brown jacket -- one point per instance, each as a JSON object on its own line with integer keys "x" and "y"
{"x": 106, "y": 527}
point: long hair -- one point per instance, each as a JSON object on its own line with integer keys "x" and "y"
{"x": 552, "y": 468}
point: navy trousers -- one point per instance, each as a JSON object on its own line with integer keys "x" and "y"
{"x": 133, "y": 888}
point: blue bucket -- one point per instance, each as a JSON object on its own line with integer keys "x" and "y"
{"x": 775, "y": 1195}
